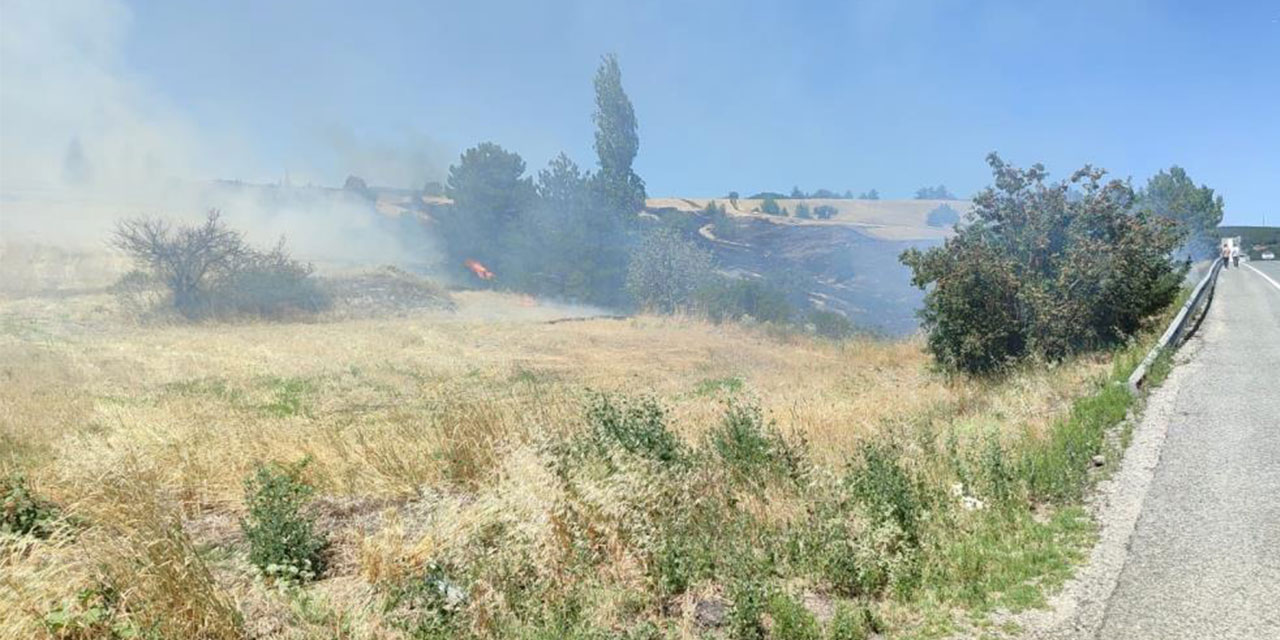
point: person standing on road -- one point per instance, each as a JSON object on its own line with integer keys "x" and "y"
{"x": 1226, "y": 256}
{"x": 1235, "y": 256}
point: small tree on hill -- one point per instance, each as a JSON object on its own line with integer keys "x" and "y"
{"x": 869, "y": 195}
{"x": 802, "y": 211}
{"x": 939, "y": 192}
{"x": 825, "y": 212}
{"x": 943, "y": 216}
{"x": 357, "y": 185}
{"x": 770, "y": 206}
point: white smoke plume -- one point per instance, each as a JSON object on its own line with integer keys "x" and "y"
{"x": 85, "y": 141}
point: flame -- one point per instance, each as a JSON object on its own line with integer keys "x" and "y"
{"x": 480, "y": 270}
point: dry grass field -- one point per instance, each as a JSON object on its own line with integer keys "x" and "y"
{"x": 435, "y": 443}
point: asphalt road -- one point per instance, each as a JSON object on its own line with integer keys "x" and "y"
{"x": 1204, "y": 558}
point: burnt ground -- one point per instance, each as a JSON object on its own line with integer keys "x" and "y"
{"x": 835, "y": 266}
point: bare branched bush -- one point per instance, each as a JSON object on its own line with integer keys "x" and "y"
{"x": 209, "y": 269}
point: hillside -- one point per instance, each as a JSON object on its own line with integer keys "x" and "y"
{"x": 881, "y": 219}
{"x": 847, "y": 264}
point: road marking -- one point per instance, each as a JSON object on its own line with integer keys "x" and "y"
{"x": 1273, "y": 282}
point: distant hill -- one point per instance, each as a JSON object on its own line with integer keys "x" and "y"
{"x": 882, "y": 219}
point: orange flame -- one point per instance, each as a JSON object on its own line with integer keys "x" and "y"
{"x": 480, "y": 270}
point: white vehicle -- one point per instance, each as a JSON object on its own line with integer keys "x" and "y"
{"x": 1267, "y": 255}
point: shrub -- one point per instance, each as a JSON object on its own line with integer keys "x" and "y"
{"x": 825, "y": 212}
{"x": 283, "y": 542}
{"x": 637, "y": 426}
{"x": 666, "y": 270}
{"x": 791, "y": 621}
{"x": 22, "y": 512}
{"x": 802, "y": 211}
{"x": 268, "y": 285}
{"x": 770, "y": 206}
{"x": 1039, "y": 273}
{"x": 751, "y": 449}
{"x": 745, "y": 620}
{"x": 851, "y": 623}
{"x": 734, "y": 299}
{"x": 209, "y": 269}
{"x": 889, "y": 490}
{"x": 943, "y": 216}
{"x": 831, "y": 324}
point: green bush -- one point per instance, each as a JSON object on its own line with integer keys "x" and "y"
{"x": 745, "y": 619}
{"x": 791, "y": 621}
{"x": 825, "y": 212}
{"x": 21, "y": 512}
{"x": 851, "y": 623}
{"x": 889, "y": 491}
{"x": 802, "y": 211}
{"x": 283, "y": 542}
{"x": 1041, "y": 273}
{"x": 751, "y": 449}
{"x": 727, "y": 299}
{"x": 637, "y": 426}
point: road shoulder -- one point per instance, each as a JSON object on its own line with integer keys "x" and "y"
{"x": 1078, "y": 610}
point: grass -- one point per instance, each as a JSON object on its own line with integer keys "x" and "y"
{"x": 484, "y": 473}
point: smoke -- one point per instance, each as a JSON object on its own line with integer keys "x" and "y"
{"x": 70, "y": 112}
{"x": 85, "y": 141}
{"x": 411, "y": 161}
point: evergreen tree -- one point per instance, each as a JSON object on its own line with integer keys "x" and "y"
{"x": 617, "y": 142}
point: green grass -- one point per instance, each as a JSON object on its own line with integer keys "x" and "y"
{"x": 289, "y": 396}
{"x": 715, "y": 386}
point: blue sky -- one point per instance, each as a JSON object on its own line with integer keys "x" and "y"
{"x": 740, "y": 96}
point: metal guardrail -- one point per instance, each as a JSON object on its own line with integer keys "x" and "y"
{"x": 1177, "y": 331}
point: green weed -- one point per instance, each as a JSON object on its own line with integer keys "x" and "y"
{"x": 283, "y": 542}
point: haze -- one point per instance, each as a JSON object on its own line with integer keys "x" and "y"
{"x": 730, "y": 96}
